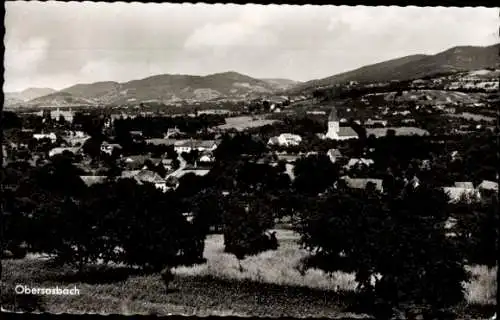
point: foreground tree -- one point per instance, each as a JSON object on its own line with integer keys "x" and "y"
{"x": 245, "y": 224}
{"x": 400, "y": 238}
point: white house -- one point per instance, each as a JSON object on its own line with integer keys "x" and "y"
{"x": 39, "y": 136}
{"x": 59, "y": 150}
{"x": 200, "y": 145}
{"x": 109, "y": 147}
{"x": 334, "y": 154}
{"x": 335, "y": 131}
{"x": 286, "y": 139}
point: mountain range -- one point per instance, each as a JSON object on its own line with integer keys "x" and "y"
{"x": 232, "y": 85}
{"x": 463, "y": 58}
{"x": 27, "y": 94}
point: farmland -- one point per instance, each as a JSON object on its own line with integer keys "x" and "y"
{"x": 244, "y": 122}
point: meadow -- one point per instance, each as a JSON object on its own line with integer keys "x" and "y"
{"x": 270, "y": 285}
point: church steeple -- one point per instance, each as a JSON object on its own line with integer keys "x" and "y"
{"x": 333, "y": 115}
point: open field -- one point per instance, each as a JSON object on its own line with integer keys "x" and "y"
{"x": 244, "y": 122}
{"x": 472, "y": 116}
{"x": 269, "y": 286}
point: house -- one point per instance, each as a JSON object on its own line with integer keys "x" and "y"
{"x": 109, "y": 147}
{"x": 458, "y": 193}
{"x": 127, "y": 174}
{"x": 371, "y": 122}
{"x": 164, "y": 142}
{"x": 334, "y": 155}
{"x": 335, "y": 131}
{"x": 362, "y": 183}
{"x": 134, "y": 162}
{"x": 181, "y": 173}
{"x": 76, "y": 140}
{"x": 136, "y": 133}
{"x": 91, "y": 180}
{"x": 286, "y": 139}
{"x": 488, "y": 188}
{"x": 425, "y": 165}
{"x": 465, "y": 185}
{"x": 59, "y": 150}
{"x": 147, "y": 176}
{"x": 398, "y": 131}
{"x": 206, "y": 157}
{"x": 356, "y": 162}
{"x": 289, "y": 158}
{"x": 455, "y": 155}
{"x": 51, "y": 136}
{"x": 200, "y": 145}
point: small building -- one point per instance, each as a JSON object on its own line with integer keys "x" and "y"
{"x": 161, "y": 142}
{"x": 147, "y": 176}
{"x": 206, "y": 157}
{"x": 288, "y": 158}
{"x": 334, "y": 155}
{"x": 200, "y": 145}
{"x": 60, "y": 150}
{"x": 136, "y": 133}
{"x": 465, "y": 185}
{"x": 457, "y": 194}
{"x": 108, "y": 148}
{"x": 362, "y": 183}
{"x": 359, "y": 162}
{"x": 376, "y": 122}
{"x": 134, "y": 162}
{"x": 51, "y": 136}
{"x": 286, "y": 139}
{"x": 91, "y": 180}
{"x": 488, "y": 188}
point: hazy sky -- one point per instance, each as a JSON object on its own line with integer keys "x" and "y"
{"x": 56, "y": 45}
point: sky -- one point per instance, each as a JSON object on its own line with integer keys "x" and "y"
{"x": 59, "y": 44}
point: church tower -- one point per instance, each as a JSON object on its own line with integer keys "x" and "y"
{"x": 333, "y": 125}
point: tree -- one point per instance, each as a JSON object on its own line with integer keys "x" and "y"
{"x": 314, "y": 174}
{"x": 245, "y": 222}
{"x": 399, "y": 236}
{"x": 475, "y": 229}
{"x": 92, "y": 147}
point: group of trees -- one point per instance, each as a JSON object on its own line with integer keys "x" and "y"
{"x": 155, "y": 127}
{"x": 398, "y": 235}
{"x": 52, "y": 211}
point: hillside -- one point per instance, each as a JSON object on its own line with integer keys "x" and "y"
{"x": 26, "y": 95}
{"x": 59, "y": 99}
{"x": 164, "y": 88}
{"x": 281, "y": 84}
{"x": 456, "y": 59}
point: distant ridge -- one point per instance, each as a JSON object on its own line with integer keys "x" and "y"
{"x": 168, "y": 88}
{"x": 161, "y": 88}
{"x": 28, "y": 94}
{"x": 463, "y": 58}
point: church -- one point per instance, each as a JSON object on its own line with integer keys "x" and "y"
{"x": 335, "y": 131}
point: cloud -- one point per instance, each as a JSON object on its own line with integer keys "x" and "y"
{"x": 25, "y": 56}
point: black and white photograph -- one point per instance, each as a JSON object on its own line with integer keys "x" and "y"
{"x": 250, "y": 160}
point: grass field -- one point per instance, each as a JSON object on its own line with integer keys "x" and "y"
{"x": 270, "y": 285}
{"x": 244, "y": 122}
{"x": 472, "y": 116}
